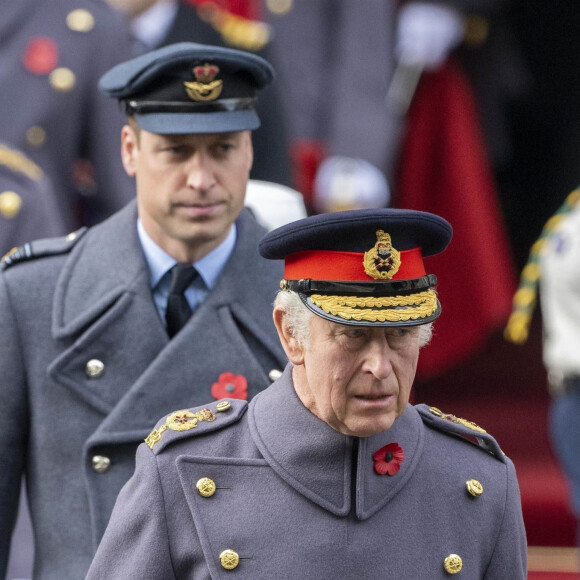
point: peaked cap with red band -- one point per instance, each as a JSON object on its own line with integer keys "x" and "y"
{"x": 362, "y": 267}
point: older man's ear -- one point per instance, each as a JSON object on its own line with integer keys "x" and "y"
{"x": 292, "y": 347}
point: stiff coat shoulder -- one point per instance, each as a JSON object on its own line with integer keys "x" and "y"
{"x": 187, "y": 423}
{"x": 42, "y": 248}
{"x": 462, "y": 428}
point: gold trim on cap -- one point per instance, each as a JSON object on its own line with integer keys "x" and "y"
{"x": 388, "y": 308}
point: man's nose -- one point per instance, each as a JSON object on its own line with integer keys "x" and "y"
{"x": 200, "y": 172}
{"x": 378, "y": 358}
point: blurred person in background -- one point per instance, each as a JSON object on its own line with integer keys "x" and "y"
{"x": 52, "y": 53}
{"x": 553, "y": 269}
{"x": 28, "y": 205}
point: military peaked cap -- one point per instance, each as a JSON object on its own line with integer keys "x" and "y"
{"x": 362, "y": 267}
{"x": 190, "y": 88}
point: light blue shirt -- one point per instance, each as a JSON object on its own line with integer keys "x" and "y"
{"x": 160, "y": 263}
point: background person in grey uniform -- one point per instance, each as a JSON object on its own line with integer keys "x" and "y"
{"x": 100, "y": 329}
{"x": 330, "y": 472}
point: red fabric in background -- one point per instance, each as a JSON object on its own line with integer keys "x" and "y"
{"x": 249, "y": 9}
{"x": 444, "y": 169}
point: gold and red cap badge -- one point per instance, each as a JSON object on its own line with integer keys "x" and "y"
{"x": 362, "y": 267}
{"x": 189, "y": 88}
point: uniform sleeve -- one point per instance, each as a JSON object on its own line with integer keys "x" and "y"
{"x": 509, "y": 558}
{"x": 135, "y": 543}
{"x": 13, "y": 422}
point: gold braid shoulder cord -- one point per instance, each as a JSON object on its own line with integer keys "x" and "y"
{"x": 525, "y": 298}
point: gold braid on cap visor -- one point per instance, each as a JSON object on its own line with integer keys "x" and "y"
{"x": 392, "y": 308}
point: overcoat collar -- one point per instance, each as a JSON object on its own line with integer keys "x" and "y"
{"x": 108, "y": 264}
{"x": 317, "y": 461}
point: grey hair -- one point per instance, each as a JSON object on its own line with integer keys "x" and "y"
{"x": 298, "y": 319}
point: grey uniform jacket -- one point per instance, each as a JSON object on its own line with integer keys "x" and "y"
{"x": 296, "y": 499}
{"x": 73, "y": 424}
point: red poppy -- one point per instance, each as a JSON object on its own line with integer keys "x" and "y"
{"x": 41, "y": 55}
{"x": 230, "y": 386}
{"x": 388, "y": 459}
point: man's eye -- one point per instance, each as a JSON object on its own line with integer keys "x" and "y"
{"x": 355, "y": 333}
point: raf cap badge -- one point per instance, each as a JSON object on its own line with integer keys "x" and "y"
{"x": 205, "y": 87}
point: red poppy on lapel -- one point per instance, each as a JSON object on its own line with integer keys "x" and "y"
{"x": 230, "y": 386}
{"x": 388, "y": 459}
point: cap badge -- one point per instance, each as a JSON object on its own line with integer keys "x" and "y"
{"x": 206, "y": 87}
{"x": 382, "y": 261}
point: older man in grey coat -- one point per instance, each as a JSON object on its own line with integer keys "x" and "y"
{"x": 330, "y": 472}
{"x": 164, "y": 305}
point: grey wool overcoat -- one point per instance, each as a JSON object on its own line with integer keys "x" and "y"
{"x": 88, "y": 368}
{"x": 266, "y": 490}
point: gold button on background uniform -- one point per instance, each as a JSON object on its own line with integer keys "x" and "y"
{"x": 80, "y": 20}
{"x": 229, "y": 559}
{"x": 453, "y": 564}
{"x": 94, "y": 368}
{"x": 474, "y": 487}
{"x": 62, "y": 79}
{"x": 205, "y": 487}
{"x": 36, "y": 136}
{"x": 274, "y": 374}
{"x": 10, "y": 204}
{"x": 223, "y": 406}
{"x": 101, "y": 463}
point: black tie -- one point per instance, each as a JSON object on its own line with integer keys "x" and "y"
{"x": 178, "y": 309}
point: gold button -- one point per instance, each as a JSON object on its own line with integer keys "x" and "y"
{"x": 453, "y": 564}
{"x": 229, "y": 559}
{"x": 80, "y": 20}
{"x": 70, "y": 237}
{"x": 62, "y": 79}
{"x": 94, "y": 368}
{"x": 36, "y": 136}
{"x": 205, "y": 487}
{"x": 474, "y": 487}
{"x": 274, "y": 374}
{"x": 10, "y": 204}
{"x": 223, "y": 406}
{"x": 435, "y": 411}
{"x": 101, "y": 463}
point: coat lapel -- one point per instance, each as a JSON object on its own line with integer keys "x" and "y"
{"x": 214, "y": 341}
{"x": 103, "y": 310}
{"x": 316, "y": 460}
